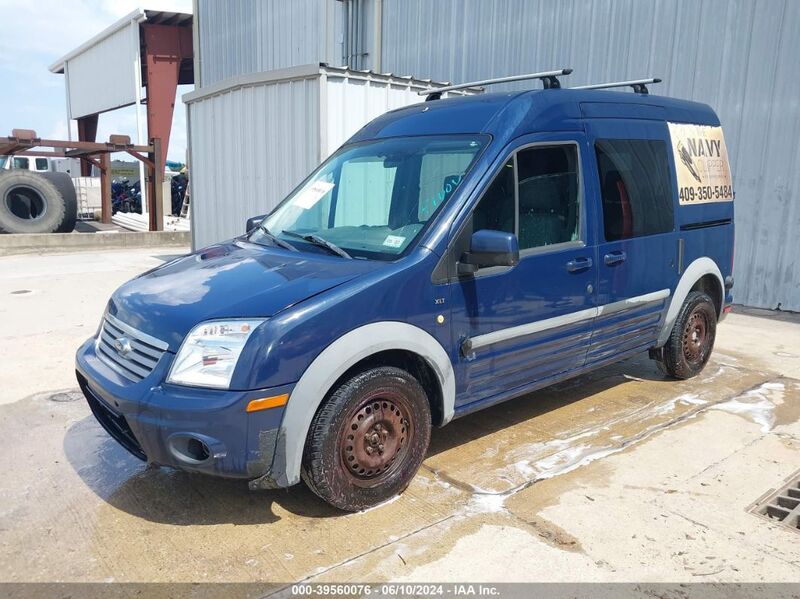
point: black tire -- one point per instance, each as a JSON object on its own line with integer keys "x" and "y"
{"x": 29, "y": 203}
{"x": 692, "y": 339}
{"x": 368, "y": 439}
{"x": 63, "y": 183}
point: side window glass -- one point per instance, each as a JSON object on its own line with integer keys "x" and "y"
{"x": 548, "y": 196}
{"x": 635, "y": 186}
{"x": 41, "y": 164}
{"x": 20, "y": 162}
{"x": 496, "y": 209}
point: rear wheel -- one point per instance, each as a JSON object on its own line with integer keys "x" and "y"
{"x": 368, "y": 439}
{"x": 692, "y": 339}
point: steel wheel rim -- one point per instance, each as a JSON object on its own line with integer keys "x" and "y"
{"x": 695, "y": 337}
{"x": 375, "y": 438}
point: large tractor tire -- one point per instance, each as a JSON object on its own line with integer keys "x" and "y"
{"x": 30, "y": 203}
{"x": 63, "y": 183}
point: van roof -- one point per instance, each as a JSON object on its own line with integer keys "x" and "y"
{"x": 507, "y": 115}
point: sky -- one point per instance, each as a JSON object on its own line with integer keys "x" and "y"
{"x": 36, "y": 33}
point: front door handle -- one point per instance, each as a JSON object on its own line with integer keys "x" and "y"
{"x": 612, "y": 258}
{"x": 579, "y": 264}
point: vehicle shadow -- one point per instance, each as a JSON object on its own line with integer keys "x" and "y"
{"x": 533, "y": 405}
{"x": 169, "y": 496}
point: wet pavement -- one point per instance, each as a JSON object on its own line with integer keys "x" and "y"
{"x": 619, "y": 475}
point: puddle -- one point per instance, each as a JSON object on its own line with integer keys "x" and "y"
{"x": 66, "y": 396}
{"x": 756, "y": 405}
{"x": 487, "y": 503}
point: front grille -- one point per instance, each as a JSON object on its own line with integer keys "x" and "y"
{"x": 130, "y": 352}
{"x": 115, "y": 424}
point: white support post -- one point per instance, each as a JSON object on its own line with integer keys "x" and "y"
{"x": 140, "y": 122}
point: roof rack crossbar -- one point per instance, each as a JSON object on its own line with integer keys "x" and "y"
{"x": 639, "y": 85}
{"x": 549, "y": 79}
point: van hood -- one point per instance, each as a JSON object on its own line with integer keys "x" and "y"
{"x": 237, "y": 279}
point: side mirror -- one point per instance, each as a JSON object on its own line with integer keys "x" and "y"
{"x": 252, "y": 222}
{"x": 489, "y": 248}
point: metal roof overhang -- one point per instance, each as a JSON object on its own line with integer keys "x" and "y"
{"x": 156, "y": 17}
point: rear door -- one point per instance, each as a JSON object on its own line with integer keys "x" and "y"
{"x": 637, "y": 241}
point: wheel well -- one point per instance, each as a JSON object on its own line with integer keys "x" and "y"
{"x": 412, "y": 363}
{"x": 709, "y": 284}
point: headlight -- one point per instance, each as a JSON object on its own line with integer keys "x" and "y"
{"x": 209, "y": 353}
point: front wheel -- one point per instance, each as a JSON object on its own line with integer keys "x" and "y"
{"x": 368, "y": 439}
{"x": 692, "y": 339}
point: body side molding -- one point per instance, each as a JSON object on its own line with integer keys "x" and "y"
{"x": 332, "y": 363}
{"x": 693, "y": 273}
{"x": 537, "y": 326}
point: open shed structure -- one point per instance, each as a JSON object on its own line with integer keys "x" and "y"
{"x": 145, "y": 49}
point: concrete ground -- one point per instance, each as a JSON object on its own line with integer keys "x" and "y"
{"x": 617, "y": 476}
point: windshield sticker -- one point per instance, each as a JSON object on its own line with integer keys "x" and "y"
{"x": 701, "y": 163}
{"x": 393, "y": 241}
{"x": 308, "y": 198}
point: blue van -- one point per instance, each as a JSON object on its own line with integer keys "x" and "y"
{"x": 451, "y": 255}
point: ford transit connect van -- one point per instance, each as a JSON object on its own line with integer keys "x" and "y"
{"x": 451, "y": 255}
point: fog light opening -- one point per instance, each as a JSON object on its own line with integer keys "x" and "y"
{"x": 197, "y": 450}
{"x": 189, "y": 449}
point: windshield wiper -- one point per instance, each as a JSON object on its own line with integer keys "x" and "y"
{"x": 277, "y": 241}
{"x": 317, "y": 240}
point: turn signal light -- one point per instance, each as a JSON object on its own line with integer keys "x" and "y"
{"x": 267, "y": 403}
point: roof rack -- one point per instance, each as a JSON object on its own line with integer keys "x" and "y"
{"x": 549, "y": 79}
{"x": 639, "y": 85}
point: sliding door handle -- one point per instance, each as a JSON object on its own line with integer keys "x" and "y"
{"x": 612, "y": 258}
{"x": 579, "y": 264}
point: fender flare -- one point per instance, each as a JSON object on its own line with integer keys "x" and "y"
{"x": 693, "y": 273}
{"x": 332, "y": 363}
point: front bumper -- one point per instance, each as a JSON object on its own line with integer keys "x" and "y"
{"x": 194, "y": 429}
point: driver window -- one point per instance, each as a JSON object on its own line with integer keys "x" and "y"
{"x": 545, "y": 210}
{"x": 548, "y": 196}
{"x": 496, "y": 209}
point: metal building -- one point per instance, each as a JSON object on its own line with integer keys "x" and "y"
{"x": 741, "y": 57}
{"x": 254, "y": 137}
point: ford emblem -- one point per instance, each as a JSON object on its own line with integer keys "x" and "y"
{"x": 123, "y": 346}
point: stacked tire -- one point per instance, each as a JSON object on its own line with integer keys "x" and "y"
{"x": 37, "y": 202}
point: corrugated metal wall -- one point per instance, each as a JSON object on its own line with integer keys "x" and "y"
{"x": 238, "y": 37}
{"x": 353, "y": 100}
{"x": 741, "y": 57}
{"x": 236, "y": 137}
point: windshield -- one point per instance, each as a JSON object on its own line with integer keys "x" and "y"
{"x": 372, "y": 200}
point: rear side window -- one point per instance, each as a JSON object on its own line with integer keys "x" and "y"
{"x": 635, "y": 186}
{"x": 41, "y": 164}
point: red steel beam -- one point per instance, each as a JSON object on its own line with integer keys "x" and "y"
{"x": 12, "y": 145}
{"x": 164, "y": 48}
{"x": 87, "y": 131}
